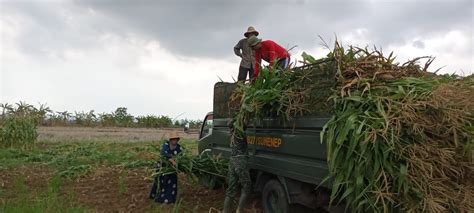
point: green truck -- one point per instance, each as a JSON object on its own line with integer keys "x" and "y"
{"x": 287, "y": 160}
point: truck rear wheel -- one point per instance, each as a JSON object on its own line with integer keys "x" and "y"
{"x": 274, "y": 197}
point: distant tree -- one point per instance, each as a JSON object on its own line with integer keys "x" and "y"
{"x": 195, "y": 124}
{"x": 122, "y": 118}
{"x": 106, "y": 119}
{"x": 54, "y": 119}
{"x": 6, "y": 108}
{"x": 164, "y": 121}
{"x": 149, "y": 121}
{"x": 23, "y": 108}
{"x": 66, "y": 116}
{"x": 90, "y": 118}
{"x": 79, "y": 118}
{"x": 40, "y": 113}
{"x": 43, "y": 115}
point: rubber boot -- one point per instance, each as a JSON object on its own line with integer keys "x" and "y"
{"x": 227, "y": 205}
{"x": 242, "y": 202}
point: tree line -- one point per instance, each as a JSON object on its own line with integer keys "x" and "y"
{"x": 44, "y": 116}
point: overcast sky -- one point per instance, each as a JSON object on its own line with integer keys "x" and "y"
{"x": 163, "y": 57}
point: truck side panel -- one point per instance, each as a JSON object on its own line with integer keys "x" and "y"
{"x": 295, "y": 153}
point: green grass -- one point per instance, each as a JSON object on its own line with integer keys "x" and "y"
{"x": 121, "y": 185}
{"x": 78, "y": 158}
{"x": 67, "y": 161}
{"x": 48, "y": 200}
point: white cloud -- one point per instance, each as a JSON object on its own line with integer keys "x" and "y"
{"x": 87, "y": 56}
{"x": 182, "y": 71}
{"x": 452, "y": 51}
{"x": 111, "y": 71}
{"x": 11, "y": 27}
{"x": 359, "y": 37}
{"x": 120, "y": 71}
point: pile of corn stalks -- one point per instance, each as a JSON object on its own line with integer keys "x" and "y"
{"x": 194, "y": 166}
{"x": 400, "y": 137}
{"x": 283, "y": 95}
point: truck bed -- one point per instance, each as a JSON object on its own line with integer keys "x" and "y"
{"x": 291, "y": 149}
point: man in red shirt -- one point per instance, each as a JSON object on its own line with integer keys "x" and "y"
{"x": 269, "y": 51}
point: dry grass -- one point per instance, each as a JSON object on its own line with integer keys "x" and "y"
{"x": 107, "y": 134}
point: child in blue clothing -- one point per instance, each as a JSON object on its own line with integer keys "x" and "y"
{"x": 168, "y": 183}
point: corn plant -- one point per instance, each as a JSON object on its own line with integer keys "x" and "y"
{"x": 391, "y": 124}
{"x": 400, "y": 137}
{"x": 18, "y": 132}
{"x": 122, "y": 188}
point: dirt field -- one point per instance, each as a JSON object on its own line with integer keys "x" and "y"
{"x": 108, "y": 134}
{"x": 99, "y": 170}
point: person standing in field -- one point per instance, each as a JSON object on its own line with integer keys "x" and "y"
{"x": 243, "y": 50}
{"x": 238, "y": 172}
{"x": 168, "y": 184}
{"x": 269, "y": 51}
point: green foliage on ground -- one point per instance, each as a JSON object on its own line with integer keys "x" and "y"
{"x": 48, "y": 200}
{"x": 69, "y": 161}
{"x": 78, "y": 158}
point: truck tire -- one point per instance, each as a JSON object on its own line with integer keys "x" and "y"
{"x": 274, "y": 199}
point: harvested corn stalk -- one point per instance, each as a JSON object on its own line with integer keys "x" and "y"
{"x": 400, "y": 137}
{"x": 194, "y": 166}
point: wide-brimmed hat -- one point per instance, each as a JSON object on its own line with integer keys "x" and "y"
{"x": 253, "y": 40}
{"x": 174, "y": 135}
{"x": 250, "y": 30}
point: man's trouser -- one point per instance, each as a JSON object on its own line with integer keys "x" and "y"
{"x": 238, "y": 175}
{"x": 282, "y": 64}
{"x": 243, "y": 73}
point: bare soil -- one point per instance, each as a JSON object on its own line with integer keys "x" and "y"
{"x": 102, "y": 191}
{"x": 109, "y": 134}
{"x": 35, "y": 178}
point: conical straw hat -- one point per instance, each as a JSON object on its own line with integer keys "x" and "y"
{"x": 173, "y": 135}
